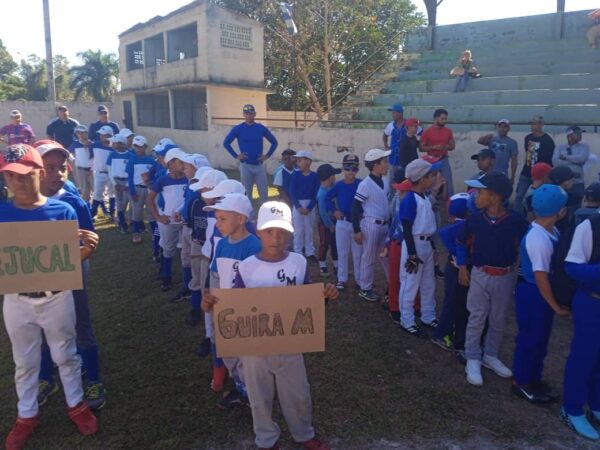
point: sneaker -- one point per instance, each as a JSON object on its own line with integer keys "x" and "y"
{"x": 165, "y": 285}
{"x": 439, "y": 273}
{"x": 369, "y": 295}
{"x": 413, "y": 330}
{"x": 443, "y": 344}
{"x": 580, "y": 424}
{"x": 462, "y": 358}
{"x": 315, "y": 444}
{"x": 340, "y": 286}
{"x": 45, "y": 391}
{"x": 433, "y": 324}
{"x": 95, "y": 395}
{"x": 395, "y": 316}
{"x": 547, "y": 390}
{"x": 233, "y": 399}
{"x": 496, "y": 366}
{"x": 218, "y": 380}
{"x": 183, "y": 294}
{"x": 84, "y": 418}
{"x": 21, "y": 432}
{"x": 473, "y": 370}
{"x": 531, "y": 393}
{"x": 324, "y": 272}
{"x": 194, "y": 318}
{"x": 137, "y": 238}
{"x": 203, "y": 349}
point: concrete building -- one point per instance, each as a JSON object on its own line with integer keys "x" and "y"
{"x": 180, "y": 70}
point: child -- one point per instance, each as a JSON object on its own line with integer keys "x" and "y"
{"x": 535, "y": 303}
{"x": 117, "y": 163}
{"x": 101, "y": 150}
{"x": 286, "y": 373}
{"x": 283, "y": 175}
{"x": 591, "y": 200}
{"x": 370, "y": 219}
{"x": 81, "y": 150}
{"x": 232, "y": 212}
{"x": 171, "y": 186}
{"x": 139, "y": 164}
{"x": 326, "y": 174}
{"x": 486, "y": 159}
{"x": 29, "y": 315}
{"x": 408, "y": 147}
{"x": 339, "y": 203}
{"x": 491, "y": 238}
{"x": 304, "y": 186}
{"x": 453, "y": 319}
{"x": 418, "y": 227}
{"x": 539, "y": 175}
{"x": 582, "y": 372}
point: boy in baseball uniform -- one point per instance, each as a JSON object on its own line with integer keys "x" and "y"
{"x": 326, "y": 173}
{"x": 30, "y": 315}
{"x": 283, "y": 174}
{"x": 304, "y": 186}
{"x": 81, "y": 150}
{"x": 370, "y": 220}
{"x": 417, "y": 260}
{"x": 101, "y": 150}
{"x": 339, "y": 203}
{"x": 117, "y": 163}
{"x": 284, "y": 373}
{"x": 491, "y": 239}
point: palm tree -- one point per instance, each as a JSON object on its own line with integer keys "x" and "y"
{"x": 97, "y": 76}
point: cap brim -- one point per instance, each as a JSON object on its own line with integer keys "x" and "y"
{"x": 21, "y": 169}
{"x": 64, "y": 151}
{"x": 276, "y": 223}
{"x": 436, "y": 166}
{"x": 405, "y": 185}
{"x": 218, "y": 207}
{"x": 211, "y": 193}
{"x": 475, "y": 184}
{"x": 195, "y": 186}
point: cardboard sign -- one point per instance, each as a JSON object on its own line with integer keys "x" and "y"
{"x": 269, "y": 321}
{"x": 39, "y": 256}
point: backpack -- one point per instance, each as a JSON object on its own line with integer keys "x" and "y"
{"x": 563, "y": 286}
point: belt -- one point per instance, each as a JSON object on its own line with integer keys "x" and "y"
{"x": 380, "y": 222}
{"x": 84, "y": 168}
{"x": 496, "y": 271}
{"x": 40, "y": 294}
{"x": 143, "y": 186}
{"x": 345, "y": 219}
{"x": 424, "y": 238}
{"x": 102, "y": 171}
{"x": 121, "y": 178}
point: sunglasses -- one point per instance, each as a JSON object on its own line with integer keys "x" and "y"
{"x": 351, "y": 168}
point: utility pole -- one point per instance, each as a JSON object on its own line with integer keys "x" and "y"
{"x": 49, "y": 63}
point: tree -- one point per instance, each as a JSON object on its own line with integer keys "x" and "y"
{"x": 34, "y": 75}
{"x": 11, "y": 87}
{"x": 338, "y": 45}
{"x": 432, "y": 6}
{"x": 97, "y": 77}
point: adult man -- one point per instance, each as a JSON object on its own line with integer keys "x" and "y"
{"x": 437, "y": 141}
{"x": 16, "y": 132}
{"x": 574, "y": 154}
{"x": 539, "y": 147}
{"x": 61, "y": 128}
{"x": 104, "y": 119}
{"x": 396, "y": 129}
{"x": 504, "y": 147}
{"x": 249, "y": 135}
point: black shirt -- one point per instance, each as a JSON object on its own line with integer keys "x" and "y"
{"x": 408, "y": 150}
{"x": 93, "y": 133}
{"x": 537, "y": 149}
{"x": 62, "y": 132}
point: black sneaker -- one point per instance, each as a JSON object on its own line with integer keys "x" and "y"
{"x": 203, "y": 350}
{"x": 547, "y": 390}
{"x": 340, "y": 286}
{"x": 413, "y": 330}
{"x": 233, "y": 399}
{"x": 530, "y": 392}
{"x": 194, "y": 318}
{"x": 395, "y": 316}
{"x": 433, "y": 324}
{"x": 324, "y": 271}
{"x": 95, "y": 395}
{"x": 439, "y": 273}
{"x": 182, "y": 295}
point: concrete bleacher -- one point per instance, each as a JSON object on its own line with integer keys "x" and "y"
{"x": 530, "y": 65}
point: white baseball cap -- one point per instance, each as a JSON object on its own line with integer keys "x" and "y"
{"x": 417, "y": 169}
{"x": 140, "y": 140}
{"x": 118, "y": 138}
{"x": 53, "y": 147}
{"x": 163, "y": 143}
{"x": 197, "y": 160}
{"x": 237, "y": 203}
{"x": 106, "y": 130}
{"x": 376, "y": 153}
{"x": 199, "y": 172}
{"x": 81, "y": 129}
{"x": 15, "y": 113}
{"x": 274, "y": 215}
{"x": 209, "y": 179}
{"x": 175, "y": 153}
{"x": 304, "y": 154}
{"x": 125, "y": 132}
{"x": 226, "y": 187}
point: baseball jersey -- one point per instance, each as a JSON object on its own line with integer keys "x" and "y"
{"x": 100, "y": 153}
{"x": 580, "y": 264}
{"x": 228, "y": 255}
{"x": 324, "y": 215}
{"x": 398, "y": 134}
{"x": 117, "y": 163}
{"x": 50, "y": 211}
{"x": 343, "y": 193}
{"x": 304, "y": 187}
{"x": 82, "y": 209}
{"x": 83, "y": 154}
{"x": 417, "y": 209}
{"x": 93, "y": 132}
{"x": 254, "y": 272}
{"x": 136, "y": 166}
{"x": 70, "y": 187}
{"x": 536, "y": 251}
{"x": 18, "y": 134}
{"x": 449, "y": 234}
{"x": 172, "y": 190}
{"x": 374, "y": 198}
{"x": 198, "y": 219}
{"x": 282, "y": 178}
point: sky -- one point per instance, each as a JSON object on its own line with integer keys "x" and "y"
{"x": 78, "y": 25}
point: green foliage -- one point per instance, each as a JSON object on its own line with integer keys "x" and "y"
{"x": 97, "y": 77}
{"x": 34, "y": 76}
{"x": 11, "y": 86}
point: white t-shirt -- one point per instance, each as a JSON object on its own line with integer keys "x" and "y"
{"x": 539, "y": 243}
{"x": 580, "y": 251}
{"x": 255, "y": 272}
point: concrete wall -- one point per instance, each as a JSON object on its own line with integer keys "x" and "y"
{"x": 228, "y": 102}
{"x": 38, "y": 114}
{"x": 493, "y": 32}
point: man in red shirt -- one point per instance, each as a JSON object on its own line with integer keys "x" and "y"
{"x": 437, "y": 141}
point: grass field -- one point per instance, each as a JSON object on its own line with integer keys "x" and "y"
{"x": 374, "y": 388}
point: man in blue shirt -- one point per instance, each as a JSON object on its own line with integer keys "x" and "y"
{"x": 62, "y": 128}
{"x": 104, "y": 117}
{"x": 250, "y": 135}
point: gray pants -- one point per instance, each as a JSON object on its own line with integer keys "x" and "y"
{"x": 169, "y": 238}
{"x": 85, "y": 183}
{"x": 199, "y": 265}
{"x": 287, "y": 374}
{"x": 137, "y": 206}
{"x": 186, "y": 246}
{"x": 121, "y": 195}
{"x": 254, "y": 174}
{"x": 489, "y": 298}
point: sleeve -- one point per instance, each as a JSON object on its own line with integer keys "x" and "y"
{"x": 271, "y": 138}
{"x": 50, "y": 128}
{"x": 278, "y": 178}
{"x": 3, "y": 131}
{"x": 462, "y": 242}
{"x": 514, "y": 148}
{"x": 425, "y": 138}
{"x": 357, "y": 213}
{"x": 84, "y": 216}
{"x": 361, "y": 193}
{"x": 580, "y": 251}
{"x": 408, "y": 209}
{"x": 213, "y": 264}
{"x": 229, "y": 139}
{"x": 323, "y": 210}
{"x": 388, "y": 129}
{"x": 156, "y": 185}
{"x": 556, "y": 156}
{"x": 315, "y": 190}
{"x": 293, "y": 193}
{"x": 129, "y": 168}
{"x": 70, "y": 213}
{"x": 539, "y": 249}
{"x": 109, "y": 166}
{"x": 582, "y": 155}
{"x": 331, "y": 194}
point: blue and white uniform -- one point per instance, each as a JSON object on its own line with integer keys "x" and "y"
{"x": 102, "y": 181}
{"x": 117, "y": 164}
{"x": 83, "y": 168}
{"x": 136, "y": 167}
{"x": 303, "y": 193}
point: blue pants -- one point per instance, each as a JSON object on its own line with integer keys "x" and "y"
{"x": 534, "y": 319}
{"x": 582, "y": 372}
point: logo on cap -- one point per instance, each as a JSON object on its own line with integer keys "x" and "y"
{"x": 277, "y": 211}
{"x": 15, "y": 153}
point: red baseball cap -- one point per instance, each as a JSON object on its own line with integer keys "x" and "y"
{"x": 540, "y": 170}
{"x": 404, "y": 186}
{"x": 412, "y": 122}
{"x": 21, "y": 159}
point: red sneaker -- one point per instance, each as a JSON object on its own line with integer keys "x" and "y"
{"x": 315, "y": 444}
{"x": 21, "y": 432}
{"x": 218, "y": 379}
{"x": 84, "y": 418}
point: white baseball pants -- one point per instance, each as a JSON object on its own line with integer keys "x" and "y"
{"x": 344, "y": 239}
{"x": 304, "y": 230}
{"x": 85, "y": 182}
{"x": 169, "y": 238}
{"x": 25, "y": 319}
{"x": 373, "y": 243}
{"x": 102, "y": 182}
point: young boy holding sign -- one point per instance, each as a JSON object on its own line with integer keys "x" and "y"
{"x": 274, "y": 266}
{"x": 28, "y": 314}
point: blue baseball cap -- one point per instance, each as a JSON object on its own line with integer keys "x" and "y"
{"x": 548, "y": 199}
{"x": 494, "y": 181}
{"x": 397, "y": 108}
{"x": 163, "y": 151}
{"x": 458, "y": 205}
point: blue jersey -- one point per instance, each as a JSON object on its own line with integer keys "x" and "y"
{"x": 250, "y": 141}
{"x": 188, "y": 197}
{"x": 449, "y": 236}
{"x": 324, "y": 216}
{"x": 100, "y": 153}
{"x": 136, "y": 166}
{"x": 343, "y": 193}
{"x": 52, "y": 210}
{"x": 172, "y": 191}
{"x": 198, "y": 219}
{"x": 398, "y": 134}
{"x": 117, "y": 163}
{"x": 304, "y": 187}
{"x": 228, "y": 255}
{"x": 82, "y": 209}
{"x": 70, "y": 187}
